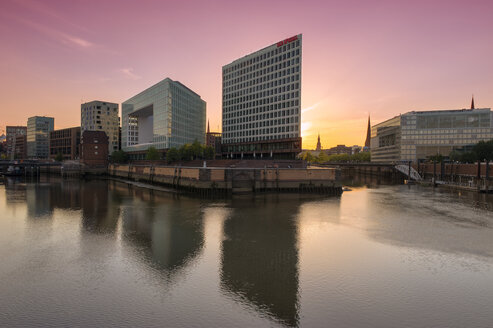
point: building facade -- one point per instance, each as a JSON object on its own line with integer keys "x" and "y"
{"x": 415, "y": 136}
{"x": 20, "y": 148}
{"x": 11, "y": 133}
{"x": 94, "y": 148}
{"x": 38, "y": 136}
{"x": 261, "y": 105}
{"x": 65, "y": 142}
{"x": 168, "y": 114}
{"x": 101, "y": 116}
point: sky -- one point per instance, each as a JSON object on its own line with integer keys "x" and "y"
{"x": 360, "y": 58}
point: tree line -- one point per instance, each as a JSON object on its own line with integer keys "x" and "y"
{"x": 186, "y": 152}
{"x": 322, "y": 157}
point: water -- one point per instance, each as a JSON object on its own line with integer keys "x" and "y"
{"x": 103, "y": 253}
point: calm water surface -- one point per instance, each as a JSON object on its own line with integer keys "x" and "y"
{"x": 103, "y": 253}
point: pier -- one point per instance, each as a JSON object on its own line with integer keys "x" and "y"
{"x": 221, "y": 180}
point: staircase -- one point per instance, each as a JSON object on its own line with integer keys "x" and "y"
{"x": 405, "y": 170}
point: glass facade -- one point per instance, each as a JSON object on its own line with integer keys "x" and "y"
{"x": 38, "y": 136}
{"x": 166, "y": 115}
{"x": 419, "y": 135}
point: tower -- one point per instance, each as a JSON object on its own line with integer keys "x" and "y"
{"x": 472, "y": 102}
{"x": 319, "y": 146}
{"x": 368, "y": 134}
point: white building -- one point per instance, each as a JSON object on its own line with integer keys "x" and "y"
{"x": 101, "y": 116}
{"x": 168, "y": 114}
{"x": 261, "y": 106}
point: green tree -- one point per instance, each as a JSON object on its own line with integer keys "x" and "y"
{"x": 209, "y": 152}
{"x": 172, "y": 155}
{"x": 59, "y": 157}
{"x": 322, "y": 157}
{"x": 484, "y": 150}
{"x": 119, "y": 156}
{"x": 186, "y": 153}
{"x": 152, "y": 154}
{"x": 197, "y": 150}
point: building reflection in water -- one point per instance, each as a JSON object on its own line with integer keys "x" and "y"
{"x": 100, "y": 207}
{"x": 260, "y": 256}
{"x": 166, "y": 231}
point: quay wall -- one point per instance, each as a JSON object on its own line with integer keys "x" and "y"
{"x": 234, "y": 180}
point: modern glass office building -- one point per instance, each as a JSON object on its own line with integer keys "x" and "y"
{"x": 416, "y": 136}
{"x": 261, "y": 106}
{"x": 38, "y": 136}
{"x": 166, "y": 115}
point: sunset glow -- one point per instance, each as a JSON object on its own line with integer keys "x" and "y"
{"x": 360, "y": 58}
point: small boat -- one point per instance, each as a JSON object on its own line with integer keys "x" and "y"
{"x": 346, "y": 189}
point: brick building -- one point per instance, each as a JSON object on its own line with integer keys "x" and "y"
{"x": 65, "y": 142}
{"x": 94, "y": 148}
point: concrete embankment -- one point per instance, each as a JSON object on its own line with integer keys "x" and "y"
{"x": 234, "y": 180}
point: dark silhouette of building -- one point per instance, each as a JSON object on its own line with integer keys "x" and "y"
{"x": 319, "y": 145}
{"x": 213, "y": 139}
{"x": 20, "y": 147}
{"x": 472, "y": 102}
{"x": 65, "y": 142}
{"x": 368, "y": 134}
{"x": 94, "y": 148}
{"x": 339, "y": 149}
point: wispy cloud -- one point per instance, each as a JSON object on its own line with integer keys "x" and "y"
{"x": 64, "y": 38}
{"x": 307, "y": 109}
{"x": 128, "y": 72}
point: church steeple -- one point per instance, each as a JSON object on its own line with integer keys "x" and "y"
{"x": 472, "y": 102}
{"x": 368, "y": 133}
{"x": 208, "y": 127}
{"x": 319, "y": 145}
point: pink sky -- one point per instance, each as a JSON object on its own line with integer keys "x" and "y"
{"x": 359, "y": 57}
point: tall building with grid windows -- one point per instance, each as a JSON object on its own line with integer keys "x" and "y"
{"x": 261, "y": 105}
{"x": 38, "y": 136}
{"x": 167, "y": 114}
{"x": 101, "y": 116}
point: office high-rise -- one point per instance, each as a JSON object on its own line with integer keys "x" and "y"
{"x": 38, "y": 136}
{"x": 261, "y": 105}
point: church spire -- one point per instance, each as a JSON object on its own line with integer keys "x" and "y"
{"x": 319, "y": 145}
{"x": 472, "y": 102}
{"x": 368, "y": 133}
{"x": 208, "y": 127}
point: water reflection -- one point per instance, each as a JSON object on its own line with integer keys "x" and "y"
{"x": 259, "y": 264}
{"x": 168, "y": 232}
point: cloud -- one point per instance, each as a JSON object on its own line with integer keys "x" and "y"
{"x": 128, "y": 72}
{"x": 307, "y": 109}
{"x": 61, "y": 37}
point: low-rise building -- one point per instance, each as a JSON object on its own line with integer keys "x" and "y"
{"x": 213, "y": 139}
{"x": 417, "y": 135}
{"x": 94, "y": 148}
{"x": 65, "y": 142}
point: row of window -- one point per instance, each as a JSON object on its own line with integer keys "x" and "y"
{"x": 267, "y": 74}
{"x": 264, "y": 56}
